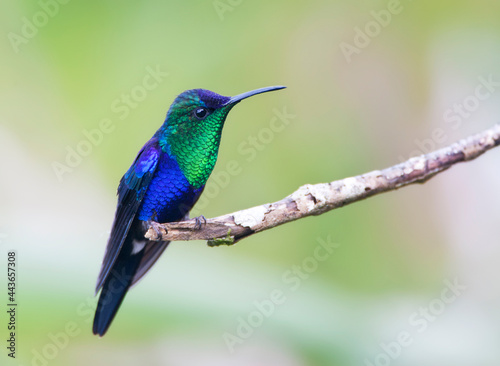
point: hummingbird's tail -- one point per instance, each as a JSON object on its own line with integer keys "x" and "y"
{"x": 135, "y": 259}
{"x": 114, "y": 289}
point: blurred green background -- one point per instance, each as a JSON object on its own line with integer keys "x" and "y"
{"x": 370, "y": 83}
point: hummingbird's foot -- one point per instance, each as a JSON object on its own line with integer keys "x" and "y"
{"x": 198, "y": 222}
{"x": 158, "y": 229}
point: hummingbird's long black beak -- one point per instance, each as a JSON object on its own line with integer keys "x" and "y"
{"x": 240, "y": 97}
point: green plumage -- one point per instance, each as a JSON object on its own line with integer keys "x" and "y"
{"x": 197, "y": 153}
{"x": 193, "y": 143}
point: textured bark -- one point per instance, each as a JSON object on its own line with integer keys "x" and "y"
{"x": 316, "y": 199}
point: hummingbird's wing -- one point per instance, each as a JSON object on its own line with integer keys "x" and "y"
{"x": 131, "y": 190}
{"x": 152, "y": 251}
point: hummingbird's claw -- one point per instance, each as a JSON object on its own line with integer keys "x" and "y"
{"x": 198, "y": 222}
{"x": 158, "y": 229}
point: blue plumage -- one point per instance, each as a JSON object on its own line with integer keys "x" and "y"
{"x": 169, "y": 196}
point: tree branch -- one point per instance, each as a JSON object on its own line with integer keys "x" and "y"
{"x": 317, "y": 199}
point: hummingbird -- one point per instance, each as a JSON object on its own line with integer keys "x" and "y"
{"x": 162, "y": 185}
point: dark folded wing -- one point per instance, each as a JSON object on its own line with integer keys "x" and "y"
{"x": 152, "y": 251}
{"x": 131, "y": 190}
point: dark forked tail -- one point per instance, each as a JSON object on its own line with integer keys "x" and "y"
{"x": 114, "y": 289}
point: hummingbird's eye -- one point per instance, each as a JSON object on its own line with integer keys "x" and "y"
{"x": 200, "y": 113}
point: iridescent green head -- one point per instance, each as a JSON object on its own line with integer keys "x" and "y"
{"x": 192, "y": 130}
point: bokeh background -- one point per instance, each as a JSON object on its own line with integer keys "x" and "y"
{"x": 370, "y": 83}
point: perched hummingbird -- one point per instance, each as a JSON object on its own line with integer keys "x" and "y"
{"x": 162, "y": 185}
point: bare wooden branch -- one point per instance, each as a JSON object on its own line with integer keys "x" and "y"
{"x": 317, "y": 199}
